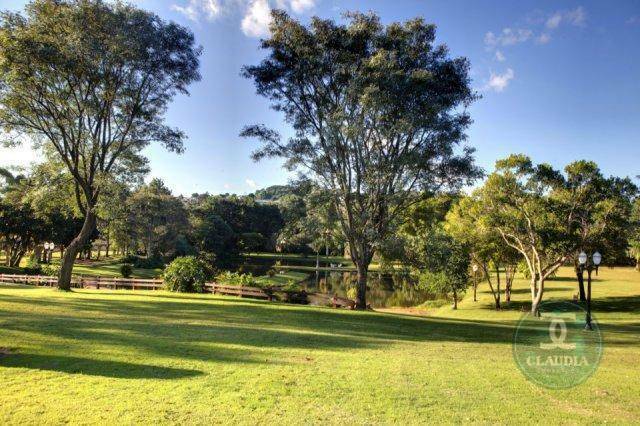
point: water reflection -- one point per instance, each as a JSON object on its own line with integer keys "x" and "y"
{"x": 382, "y": 290}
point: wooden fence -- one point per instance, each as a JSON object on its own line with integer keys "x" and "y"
{"x": 108, "y": 283}
{"x": 96, "y": 283}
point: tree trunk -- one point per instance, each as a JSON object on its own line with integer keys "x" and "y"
{"x": 509, "y": 283}
{"x": 39, "y": 254}
{"x": 537, "y": 292}
{"x": 455, "y": 299}
{"x": 361, "y": 299}
{"x": 498, "y": 287}
{"x": 69, "y": 257}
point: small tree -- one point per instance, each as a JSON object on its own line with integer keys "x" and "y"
{"x": 185, "y": 275}
{"x": 446, "y": 267}
{"x": 91, "y": 80}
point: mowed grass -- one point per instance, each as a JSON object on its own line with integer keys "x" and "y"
{"x": 114, "y": 357}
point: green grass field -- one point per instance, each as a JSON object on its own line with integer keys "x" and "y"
{"x": 139, "y": 357}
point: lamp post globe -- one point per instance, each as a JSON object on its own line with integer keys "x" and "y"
{"x": 582, "y": 258}
{"x": 597, "y": 258}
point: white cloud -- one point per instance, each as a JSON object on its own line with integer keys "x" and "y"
{"x": 508, "y": 37}
{"x": 554, "y": 20}
{"x": 196, "y": 8}
{"x": 256, "y": 14}
{"x": 499, "y": 82}
{"x": 543, "y": 38}
{"x": 576, "y": 17}
{"x": 301, "y": 6}
{"x": 251, "y": 183}
{"x": 257, "y": 19}
{"x": 500, "y": 56}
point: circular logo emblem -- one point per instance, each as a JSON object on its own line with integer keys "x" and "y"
{"x": 554, "y": 350}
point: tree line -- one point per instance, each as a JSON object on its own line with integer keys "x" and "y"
{"x": 379, "y": 116}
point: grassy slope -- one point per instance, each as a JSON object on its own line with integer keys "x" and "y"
{"x": 105, "y": 357}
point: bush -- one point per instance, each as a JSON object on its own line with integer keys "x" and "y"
{"x": 126, "y": 270}
{"x": 235, "y": 278}
{"x": 50, "y": 270}
{"x": 33, "y": 267}
{"x": 271, "y": 273}
{"x": 185, "y": 275}
{"x": 352, "y": 292}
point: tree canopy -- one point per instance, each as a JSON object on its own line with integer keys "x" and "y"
{"x": 92, "y": 80}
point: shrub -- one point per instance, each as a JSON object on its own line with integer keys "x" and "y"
{"x": 33, "y": 267}
{"x": 235, "y": 278}
{"x": 352, "y": 292}
{"x": 271, "y": 273}
{"x": 130, "y": 258}
{"x": 50, "y": 270}
{"x": 126, "y": 270}
{"x": 154, "y": 262}
{"x": 185, "y": 275}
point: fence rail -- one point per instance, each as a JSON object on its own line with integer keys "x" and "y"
{"x": 96, "y": 283}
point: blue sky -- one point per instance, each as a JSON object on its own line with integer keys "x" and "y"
{"x": 559, "y": 80}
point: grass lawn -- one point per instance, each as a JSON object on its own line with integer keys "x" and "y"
{"x": 140, "y": 357}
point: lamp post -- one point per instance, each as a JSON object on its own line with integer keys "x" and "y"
{"x": 475, "y": 281}
{"x": 48, "y": 251}
{"x": 583, "y": 259}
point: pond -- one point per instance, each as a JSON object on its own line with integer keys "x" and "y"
{"x": 384, "y": 290}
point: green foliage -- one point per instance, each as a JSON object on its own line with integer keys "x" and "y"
{"x": 157, "y": 220}
{"x": 291, "y": 287}
{"x": 410, "y": 98}
{"x": 103, "y": 74}
{"x": 445, "y": 266}
{"x": 185, "y": 275}
{"x": 126, "y": 270}
{"x": 352, "y": 292}
{"x": 238, "y": 279}
{"x": 50, "y": 270}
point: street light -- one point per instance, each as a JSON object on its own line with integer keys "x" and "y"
{"x": 475, "y": 282}
{"x": 48, "y": 251}
{"x": 584, "y": 264}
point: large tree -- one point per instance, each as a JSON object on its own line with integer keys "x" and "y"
{"x": 378, "y": 112}
{"x": 539, "y": 227}
{"x": 600, "y": 212}
{"x": 92, "y": 80}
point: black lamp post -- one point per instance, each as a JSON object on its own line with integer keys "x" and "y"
{"x": 583, "y": 259}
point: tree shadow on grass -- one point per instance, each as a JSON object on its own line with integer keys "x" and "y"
{"x": 93, "y": 367}
{"x": 231, "y": 330}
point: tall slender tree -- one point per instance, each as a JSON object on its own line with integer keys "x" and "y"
{"x": 92, "y": 80}
{"x": 378, "y": 113}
